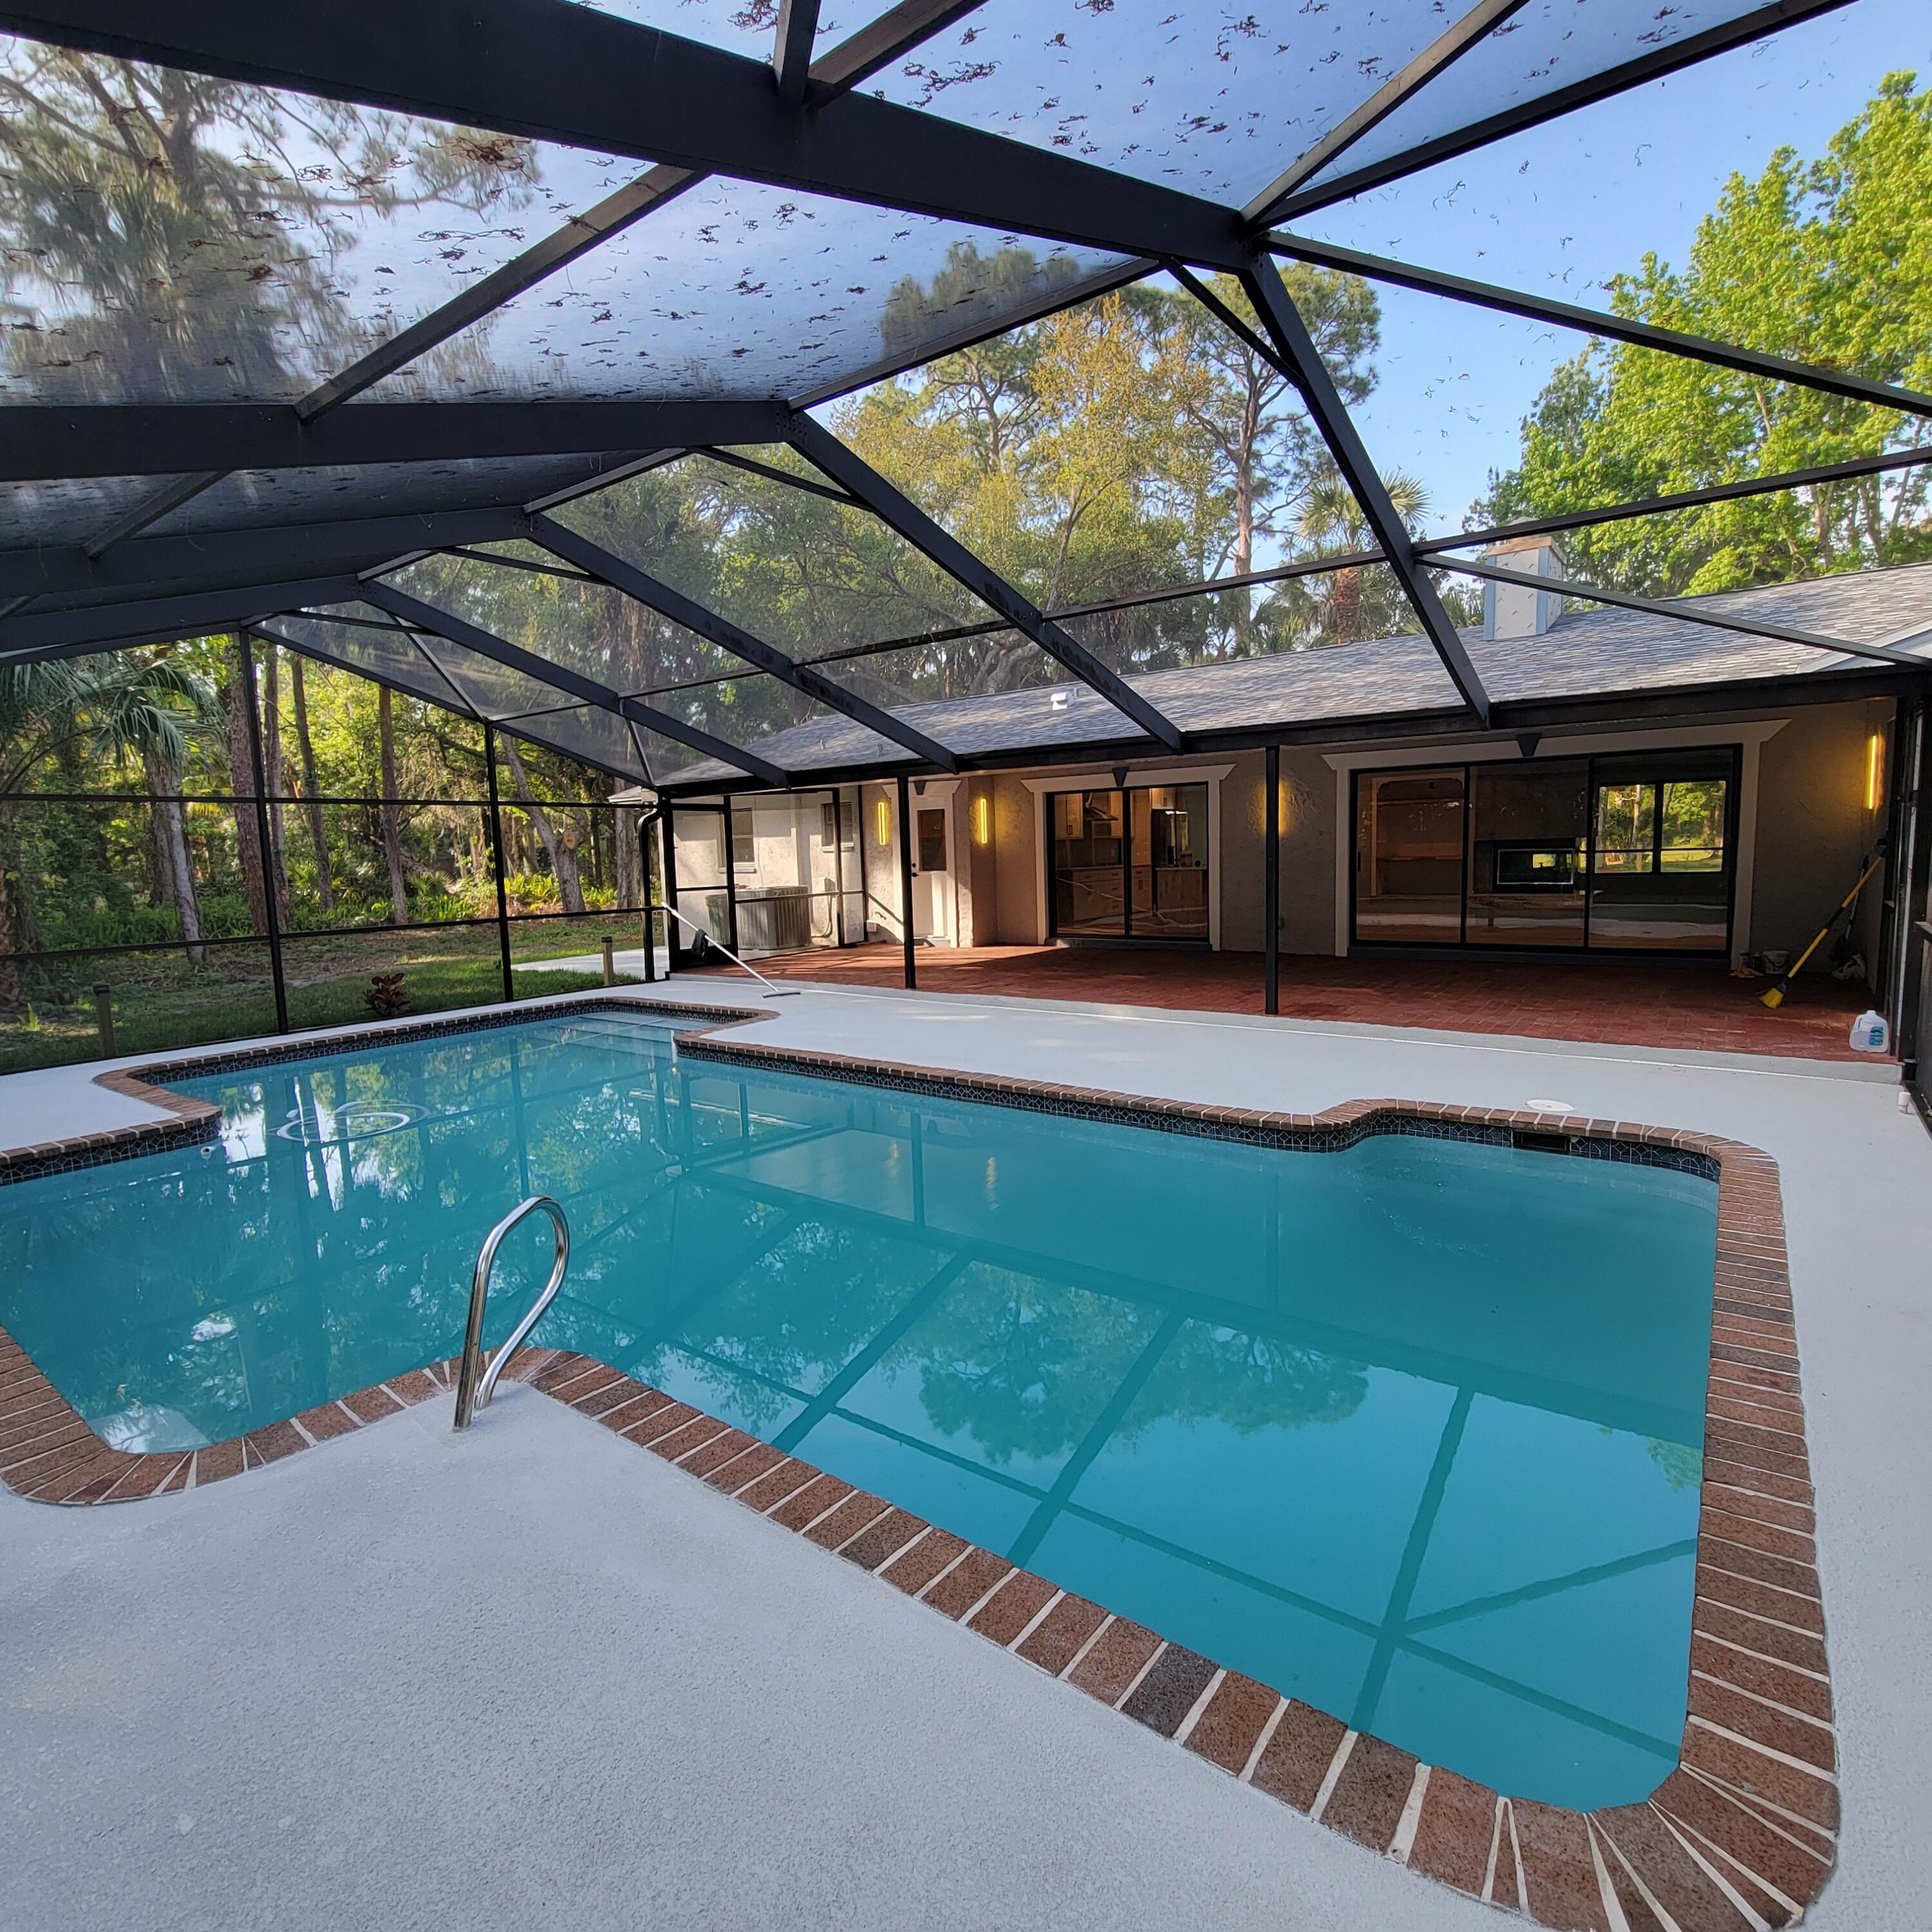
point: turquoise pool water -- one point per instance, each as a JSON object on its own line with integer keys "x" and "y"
{"x": 1409, "y": 1432}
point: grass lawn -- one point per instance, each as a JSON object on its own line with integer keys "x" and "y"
{"x": 162, "y": 1001}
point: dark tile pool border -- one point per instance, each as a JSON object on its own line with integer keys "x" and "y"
{"x": 1742, "y": 1834}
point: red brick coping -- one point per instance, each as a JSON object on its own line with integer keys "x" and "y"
{"x": 1740, "y": 1836}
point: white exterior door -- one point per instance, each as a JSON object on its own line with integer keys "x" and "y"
{"x": 933, "y": 898}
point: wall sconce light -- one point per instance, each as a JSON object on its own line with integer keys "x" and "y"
{"x": 982, "y": 821}
{"x": 882, "y": 821}
{"x": 1874, "y": 770}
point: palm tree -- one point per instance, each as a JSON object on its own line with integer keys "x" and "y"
{"x": 1352, "y": 605}
{"x": 118, "y": 705}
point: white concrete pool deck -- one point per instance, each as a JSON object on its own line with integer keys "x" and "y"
{"x": 533, "y": 1677}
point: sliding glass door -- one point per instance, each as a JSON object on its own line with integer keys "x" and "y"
{"x": 1629, "y": 853}
{"x": 1660, "y": 875}
{"x": 1128, "y": 865}
{"x": 1408, "y": 855}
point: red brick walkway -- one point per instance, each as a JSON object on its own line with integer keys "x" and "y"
{"x": 1620, "y": 1004}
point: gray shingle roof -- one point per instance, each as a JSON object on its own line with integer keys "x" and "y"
{"x": 1585, "y": 654}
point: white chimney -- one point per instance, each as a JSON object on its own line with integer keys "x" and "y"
{"x": 1514, "y": 609}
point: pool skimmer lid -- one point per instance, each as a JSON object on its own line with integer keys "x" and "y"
{"x": 1550, "y": 1106}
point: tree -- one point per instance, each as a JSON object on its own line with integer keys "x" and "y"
{"x": 116, "y": 705}
{"x": 188, "y": 237}
{"x": 311, "y": 786}
{"x": 392, "y": 827}
{"x": 1828, "y": 263}
{"x": 560, "y": 841}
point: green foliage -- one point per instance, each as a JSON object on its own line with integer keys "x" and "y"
{"x": 1829, "y": 262}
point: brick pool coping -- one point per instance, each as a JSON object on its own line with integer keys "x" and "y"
{"x": 1741, "y": 1835}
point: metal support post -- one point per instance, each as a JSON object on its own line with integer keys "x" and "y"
{"x": 905, "y": 884}
{"x": 261, "y": 839}
{"x": 496, "y": 863}
{"x": 1271, "y": 882}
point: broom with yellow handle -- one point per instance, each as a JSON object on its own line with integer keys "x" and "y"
{"x": 1774, "y": 996}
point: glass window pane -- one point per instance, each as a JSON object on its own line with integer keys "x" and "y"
{"x": 1409, "y": 857}
{"x": 1626, "y": 826}
{"x": 1662, "y": 879}
{"x": 1692, "y": 837}
{"x": 1089, "y": 832}
{"x": 1529, "y": 832}
{"x": 1170, "y": 861}
{"x": 169, "y": 237}
{"x": 1200, "y": 98}
{"x": 736, "y": 289}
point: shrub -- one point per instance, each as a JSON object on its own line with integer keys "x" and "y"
{"x": 386, "y": 997}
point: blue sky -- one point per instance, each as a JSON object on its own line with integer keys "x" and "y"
{"x": 1561, "y": 209}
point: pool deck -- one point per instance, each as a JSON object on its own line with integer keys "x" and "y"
{"x": 703, "y": 1654}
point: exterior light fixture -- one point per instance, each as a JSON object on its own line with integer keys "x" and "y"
{"x": 1874, "y": 769}
{"x": 982, "y": 821}
{"x": 882, "y": 820}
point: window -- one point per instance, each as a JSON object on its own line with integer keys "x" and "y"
{"x": 1628, "y": 852}
{"x": 835, "y": 828}
{"x": 931, "y": 829}
{"x": 744, "y": 842}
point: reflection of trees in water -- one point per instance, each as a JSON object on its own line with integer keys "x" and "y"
{"x": 169, "y": 235}
{"x": 1024, "y": 1366}
{"x": 802, "y": 1310}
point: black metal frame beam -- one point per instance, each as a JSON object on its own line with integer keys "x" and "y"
{"x": 138, "y": 620}
{"x": 155, "y": 439}
{"x": 1444, "y": 52}
{"x": 457, "y": 630}
{"x": 1715, "y": 620}
{"x": 629, "y": 581}
{"x": 208, "y": 561}
{"x": 1299, "y": 359}
{"x": 1598, "y": 322}
{"x": 818, "y": 445}
{"x": 1683, "y": 499}
{"x": 1688, "y": 52}
{"x": 791, "y": 55}
{"x": 555, "y": 72}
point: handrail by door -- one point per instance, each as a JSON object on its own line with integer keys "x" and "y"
{"x": 473, "y": 1391}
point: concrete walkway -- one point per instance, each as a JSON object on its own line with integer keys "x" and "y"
{"x": 535, "y": 1677}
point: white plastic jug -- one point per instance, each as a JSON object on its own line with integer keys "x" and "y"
{"x": 1869, "y": 1033}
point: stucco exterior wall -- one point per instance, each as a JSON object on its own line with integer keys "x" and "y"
{"x": 1016, "y": 838}
{"x": 1813, "y": 829}
{"x": 1812, "y": 826}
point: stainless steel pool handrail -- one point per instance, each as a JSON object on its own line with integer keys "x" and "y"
{"x": 474, "y": 1389}
{"x": 776, "y": 992}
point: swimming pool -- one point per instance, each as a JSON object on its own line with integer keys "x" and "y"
{"x": 1407, "y": 1431}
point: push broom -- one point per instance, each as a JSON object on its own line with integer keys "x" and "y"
{"x": 1773, "y": 996}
